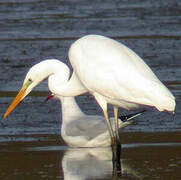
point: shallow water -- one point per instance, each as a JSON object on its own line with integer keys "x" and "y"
{"x": 145, "y": 161}
{"x": 30, "y": 142}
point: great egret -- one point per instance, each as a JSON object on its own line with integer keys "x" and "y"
{"x": 116, "y": 75}
{"x": 81, "y": 130}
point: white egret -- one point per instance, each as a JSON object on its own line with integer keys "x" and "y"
{"x": 116, "y": 75}
{"x": 81, "y": 130}
{"x": 78, "y": 129}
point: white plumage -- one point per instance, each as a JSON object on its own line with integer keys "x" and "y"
{"x": 115, "y": 75}
{"x": 113, "y": 71}
{"x": 107, "y": 69}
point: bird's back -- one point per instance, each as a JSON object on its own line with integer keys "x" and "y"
{"x": 113, "y": 70}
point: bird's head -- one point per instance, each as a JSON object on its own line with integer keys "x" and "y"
{"x": 30, "y": 82}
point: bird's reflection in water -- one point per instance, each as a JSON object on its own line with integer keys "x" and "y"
{"x": 93, "y": 163}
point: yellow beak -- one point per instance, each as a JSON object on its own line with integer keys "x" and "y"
{"x": 17, "y": 99}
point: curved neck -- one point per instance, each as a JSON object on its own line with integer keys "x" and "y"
{"x": 44, "y": 69}
{"x": 58, "y": 78}
{"x": 72, "y": 87}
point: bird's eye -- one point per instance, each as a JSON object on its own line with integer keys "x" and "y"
{"x": 30, "y": 80}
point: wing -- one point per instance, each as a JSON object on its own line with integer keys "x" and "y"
{"x": 115, "y": 71}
